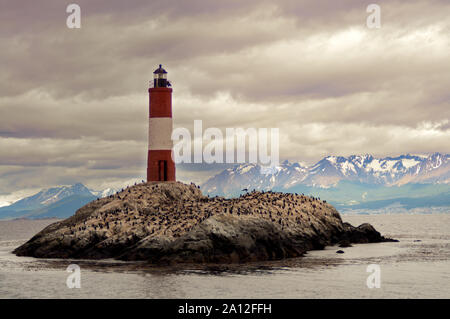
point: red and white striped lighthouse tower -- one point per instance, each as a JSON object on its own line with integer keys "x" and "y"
{"x": 160, "y": 165}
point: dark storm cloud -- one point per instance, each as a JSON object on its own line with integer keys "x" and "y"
{"x": 74, "y": 104}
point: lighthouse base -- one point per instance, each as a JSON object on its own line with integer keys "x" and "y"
{"x": 160, "y": 166}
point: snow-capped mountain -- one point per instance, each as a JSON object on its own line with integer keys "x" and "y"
{"x": 51, "y": 195}
{"x": 106, "y": 192}
{"x": 367, "y": 169}
{"x": 331, "y": 170}
{"x": 61, "y": 201}
{"x": 253, "y": 176}
{"x": 433, "y": 169}
{"x": 113, "y": 188}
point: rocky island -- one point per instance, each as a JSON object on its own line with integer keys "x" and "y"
{"x": 172, "y": 222}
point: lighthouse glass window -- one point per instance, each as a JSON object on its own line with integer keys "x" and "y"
{"x": 160, "y": 76}
{"x": 160, "y": 80}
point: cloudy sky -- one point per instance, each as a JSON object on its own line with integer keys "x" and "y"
{"x": 74, "y": 102}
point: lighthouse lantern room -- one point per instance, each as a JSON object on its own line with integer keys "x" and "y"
{"x": 160, "y": 165}
{"x": 160, "y": 78}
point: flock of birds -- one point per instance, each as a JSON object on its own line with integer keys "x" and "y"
{"x": 173, "y": 209}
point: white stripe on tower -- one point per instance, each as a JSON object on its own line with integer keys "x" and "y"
{"x": 160, "y": 133}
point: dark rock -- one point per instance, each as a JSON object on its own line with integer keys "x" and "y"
{"x": 345, "y": 243}
{"x": 339, "y": 252}
{"x": 364, "y": 233}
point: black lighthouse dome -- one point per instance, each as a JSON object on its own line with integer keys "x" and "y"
{"x": 160, "y": 78}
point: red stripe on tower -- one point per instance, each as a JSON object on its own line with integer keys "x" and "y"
{"x": 160, "y": 165}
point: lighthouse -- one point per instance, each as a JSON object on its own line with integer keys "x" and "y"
{"x": 160, "y": 165}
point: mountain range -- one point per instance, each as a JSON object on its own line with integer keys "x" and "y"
{"x": 60, "y": 202}
{"x": 355, "y": 183}
{"x": 346, "y": 181}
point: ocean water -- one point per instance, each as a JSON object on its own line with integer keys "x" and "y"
{"x": 416, "y": 267}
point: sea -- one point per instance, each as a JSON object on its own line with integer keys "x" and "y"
{"x": 418, "y": 266}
